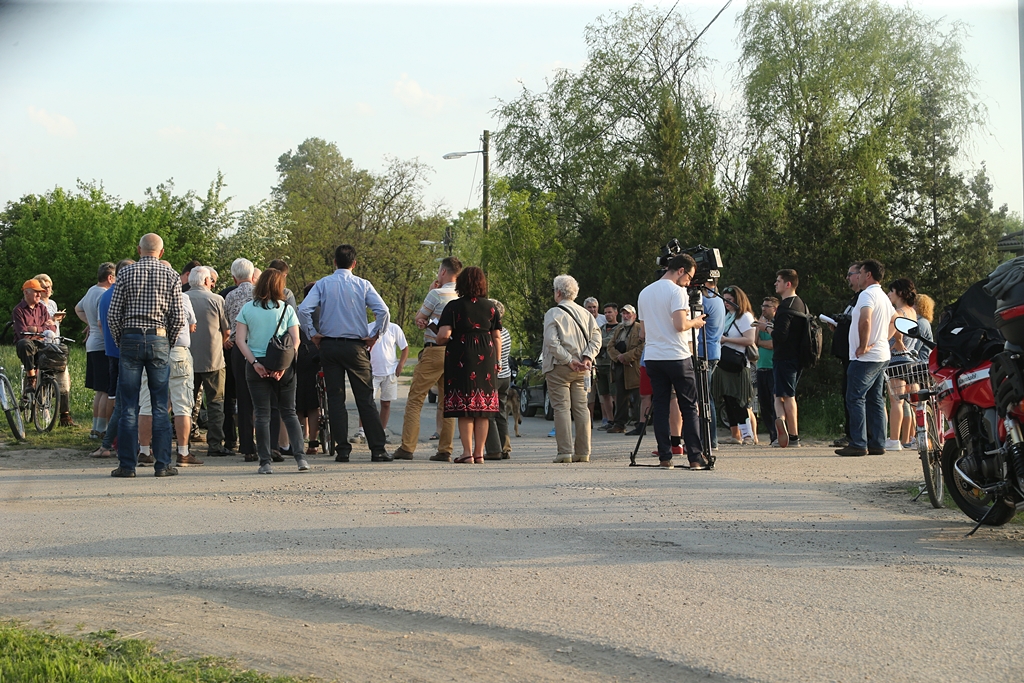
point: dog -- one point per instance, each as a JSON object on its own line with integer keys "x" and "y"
{"x": 512, "y": 405}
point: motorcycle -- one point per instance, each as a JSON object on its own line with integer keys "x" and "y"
{"x": 979, "y": 382}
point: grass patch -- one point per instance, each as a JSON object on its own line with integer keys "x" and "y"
{"x": 81, "y": 406}
{"x": 34, "y": 656}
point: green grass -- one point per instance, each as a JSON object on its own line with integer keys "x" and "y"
{"x": 81, "y": 406}
{"x": 32, "y": 656}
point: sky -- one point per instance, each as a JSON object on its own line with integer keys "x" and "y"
{"x": 131, "y": 94}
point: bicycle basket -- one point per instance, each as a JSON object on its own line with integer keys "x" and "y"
{"x": 53, "y": 358}
{"x": 914, "y": 375}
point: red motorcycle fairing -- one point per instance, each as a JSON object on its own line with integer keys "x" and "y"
{"x": 957, "y": 386}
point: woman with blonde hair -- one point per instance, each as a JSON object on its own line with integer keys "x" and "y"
{"x": 925, "y": 308}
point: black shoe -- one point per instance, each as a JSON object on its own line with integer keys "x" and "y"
{"x": 840, "y": 443}
{"x": 219, "y": 452}
{"x": 876, "y": 451}
{"x": 636, "y": 431}
{"x": 276, "y": 456}
{"x": 852, "y": 451}
{"x": 166, "y": 472}
{"x": 250, "y": 457}
{"x": 383, "y": 456}
{"x": 122, "y": 472}
{"x": 341, "y": 458}
{"x": 287, "y": 451}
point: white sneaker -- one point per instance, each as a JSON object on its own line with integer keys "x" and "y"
{"x": 893, "y": 445}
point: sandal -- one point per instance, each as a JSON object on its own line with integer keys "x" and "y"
{"x": 479, "y": 461}
{"x": 102, "y": 453}
{"x": 465, "y": 458}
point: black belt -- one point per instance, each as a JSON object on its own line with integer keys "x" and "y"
{"x": 426, "y": 344}
{"x": 151, "y": 332}
{"x": 349, "y": 339}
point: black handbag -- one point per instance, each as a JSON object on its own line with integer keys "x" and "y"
{"x": 280, "y": 350}
{"x": 732, "y": 360}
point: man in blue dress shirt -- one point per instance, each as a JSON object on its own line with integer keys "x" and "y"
{"x": 344, "y": 339}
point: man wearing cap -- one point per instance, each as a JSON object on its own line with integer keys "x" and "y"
{"x": 625, "y": 350}
{"x": 145, "y": 317}
{"x": 32, "y": 317}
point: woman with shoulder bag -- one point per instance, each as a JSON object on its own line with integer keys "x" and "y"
{"x": 267, "y": 334}
{"x": 731, "y": 383}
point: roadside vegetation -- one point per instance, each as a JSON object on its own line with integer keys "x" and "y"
{"x": 32, "y": 656}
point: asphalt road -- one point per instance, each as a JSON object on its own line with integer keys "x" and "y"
{"x": 779, "y": 565}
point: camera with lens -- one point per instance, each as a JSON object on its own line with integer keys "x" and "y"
{"x": 709, "y": 261}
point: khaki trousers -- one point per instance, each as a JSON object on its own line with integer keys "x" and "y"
{"x": 568, "y": 397}
{"x": 429, "y": 372}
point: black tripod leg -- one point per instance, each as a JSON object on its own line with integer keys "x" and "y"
{"x": 643, "y": 431}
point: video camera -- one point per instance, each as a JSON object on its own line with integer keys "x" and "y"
{"x": 709, "y": 261}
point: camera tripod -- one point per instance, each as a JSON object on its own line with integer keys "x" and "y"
{"x": 701, "y": 376}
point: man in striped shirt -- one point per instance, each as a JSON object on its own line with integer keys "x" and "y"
{"x": 145, "y": 317}
{"x": 499, "y": 446}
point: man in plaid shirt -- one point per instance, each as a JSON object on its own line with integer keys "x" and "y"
{"x": 146, "y": 314}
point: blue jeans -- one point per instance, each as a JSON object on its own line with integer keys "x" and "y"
{"x": 712, "y": 366}
{"x": 864, "y": 384}
{"x": 138, "y": 353}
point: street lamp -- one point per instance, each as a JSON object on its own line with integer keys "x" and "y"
{"x": 448, "y": 241}
{"x": 486, "y": 151}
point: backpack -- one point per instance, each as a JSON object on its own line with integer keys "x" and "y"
{"x": 810, "y": 341}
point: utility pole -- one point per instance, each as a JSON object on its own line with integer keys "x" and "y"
{"x": 486, "y": 177}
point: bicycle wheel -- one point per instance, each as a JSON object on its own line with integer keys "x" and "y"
{"x": 931, "y": 456}
{"x": 325, "y": 421}
{"x": 47, "y": 401}
{"x": 11, "y": 409}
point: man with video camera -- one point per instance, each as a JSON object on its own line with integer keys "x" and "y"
{"x": 664, "y": 317}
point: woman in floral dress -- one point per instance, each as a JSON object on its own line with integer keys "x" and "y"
{"x": 470, "y": 330}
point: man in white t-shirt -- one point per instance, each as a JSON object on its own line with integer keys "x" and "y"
{"x": 664, "y": 317}
{"x": 387, "y": 368}
{"x": 870, "y": 328}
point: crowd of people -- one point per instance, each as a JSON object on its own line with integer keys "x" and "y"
{"x": 161, "y": 344}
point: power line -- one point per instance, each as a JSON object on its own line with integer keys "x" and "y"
{"x": 656, "y": 81}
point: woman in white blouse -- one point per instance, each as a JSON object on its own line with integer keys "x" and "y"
{"x": 734, "y": 391}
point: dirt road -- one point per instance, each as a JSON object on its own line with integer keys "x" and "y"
{"x": 780, "y": 565}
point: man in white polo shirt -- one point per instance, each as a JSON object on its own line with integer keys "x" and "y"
{"x": 869, "y": 356}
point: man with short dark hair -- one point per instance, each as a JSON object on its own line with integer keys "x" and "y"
{"x": 790, "y": 326}
{"x": 664, "y": 317}
{"x": 869, "y": 356}
{"x": 429, "y": 371}
{"x": 345, "y": 339}
{"x": 186, "y": 272}
{"x": 145, "y": 317}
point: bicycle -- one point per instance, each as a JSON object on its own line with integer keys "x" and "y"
{"x": 920, "y": 391}
{"x": 324, "y": 421}
{"x": 9, "y": 403}
{"x": 40, "y": 404}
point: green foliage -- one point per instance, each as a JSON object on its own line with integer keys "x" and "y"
{"x": 524, "y": 253}
{"x": 329, "y": 201}
{"x": 31, "y": 656}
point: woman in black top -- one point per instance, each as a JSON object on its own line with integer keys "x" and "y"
{"x": 470, "y": 330}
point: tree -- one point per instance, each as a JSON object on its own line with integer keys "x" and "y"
{"x": 588, "y": 127}
{"x": 525, "y": 253}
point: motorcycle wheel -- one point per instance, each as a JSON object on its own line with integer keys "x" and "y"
{"x": 971, "y": 502}
{"x": 931, "y": 458}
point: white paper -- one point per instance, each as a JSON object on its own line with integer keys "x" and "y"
{"x": 825, "y": 319}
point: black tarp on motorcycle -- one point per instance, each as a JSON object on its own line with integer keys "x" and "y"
{"x": 966, "y": 333}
